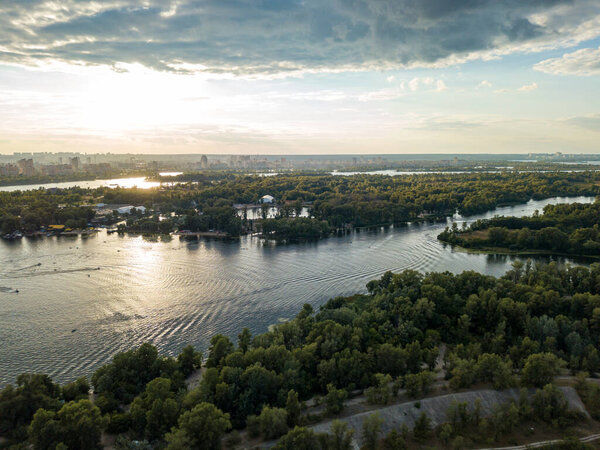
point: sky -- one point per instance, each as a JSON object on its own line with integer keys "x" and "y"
{"x": 300, "y": 76}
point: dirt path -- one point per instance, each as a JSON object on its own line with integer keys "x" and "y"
{"x": 586, "y": 439}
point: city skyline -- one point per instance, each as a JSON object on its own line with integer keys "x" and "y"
{"x": 300, "y": 77}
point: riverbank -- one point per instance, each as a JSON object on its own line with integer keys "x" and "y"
{"x": 561, "y": 230}
{"x": 184, "y": 291}
{"x": 212, "y": 234}
{"x": 508, "y": 252}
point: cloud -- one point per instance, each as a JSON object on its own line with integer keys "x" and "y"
{"x": 525, "y": 88}
{"x": 382, "y": 94}
{"x": 528, "y": 87}
{"x": 584, "y": 62}
{"x": 484, "y": 84}
{"x": 437, "y": 122}
{"x": 588, "y": 122}
{"x": 265, "y": 37}
{"x": 417, "y": 82}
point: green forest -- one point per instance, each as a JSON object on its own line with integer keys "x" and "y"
{"x": 520, "y": 330}
{"x": 563, "y": 228}
{"x": 342, "y": 202}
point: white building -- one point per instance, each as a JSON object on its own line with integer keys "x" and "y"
{"x": 267, "y": 199}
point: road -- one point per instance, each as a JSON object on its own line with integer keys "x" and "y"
{"x": 586, "y": 439}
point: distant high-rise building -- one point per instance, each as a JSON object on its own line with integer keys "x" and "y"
{"x": 74, "y": 162}
{"x": 204, "y": 162}
{"x": 9, "y": 170}
{"x": 57, "y": 169}
{"x": 26, "y": 167}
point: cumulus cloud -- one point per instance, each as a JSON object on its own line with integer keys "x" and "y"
{"x": 416, "y": 83}
{"x": 528, "y": 87}
{"x": 248, "y": 37}
{"x": 484, "y": 84}
{"x": 440, "y": 86}
{"x": 584, "y": 62}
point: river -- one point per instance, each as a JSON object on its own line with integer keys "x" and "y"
{"x": 143, "y": 183}
{"x": 140, "y": 182}
{"x": 69, "y": 317}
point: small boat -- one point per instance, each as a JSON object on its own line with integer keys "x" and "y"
{"x": 14, "y": 235}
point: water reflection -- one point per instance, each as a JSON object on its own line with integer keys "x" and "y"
{"x": 175, "y": 292}
{"x": 139, "y": 182}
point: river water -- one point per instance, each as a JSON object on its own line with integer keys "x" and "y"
{"x": 69, "y": 317}
{"x": 139, "y": 182}
{"x": 143, "y": 183}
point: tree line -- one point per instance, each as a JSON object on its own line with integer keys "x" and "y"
{"x": 521, "y": 329}
{"x": 563, "y": 228}
{"x": 340, "y": 201}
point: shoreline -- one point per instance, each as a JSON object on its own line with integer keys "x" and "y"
{"x": 504, "y": 251}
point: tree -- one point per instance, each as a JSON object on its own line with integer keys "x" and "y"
{"x": 77, "y": 425}
{"x": 540, "y": 369}
{"x": 418, "y": 383}
{"x": 458, "y": 415}
{"x": 77, "y": 390}
{"x": 128, "y": 374}
{"x": 259, "y": 387}
{"x": 44, "y": 432}
{"x": 273, "y": 422}
{"x": 505, "y": 417}
{"x": 155, "y": 411}
{"x": 550, "y": 405}
{"x": 220, "y": 347}
{"x": 459, "y": 443}
{"x": 380, "y": 393}
{"x": 293, "y": 408}
{"x": 340, "y": 437}
{"x": 298, "y": 207}
{"x": 446, "y": 433}
{"x": 244, "y": 339}
{"x": 371, "y": 429}
{"x": 18, "y": 405}
{"x": 334, "y": 400}
{"x": 394, "y": 441}
{"x": 189, "y": 360}
{"x": 422, "y": 429}
{"x": 253, "y": 426}
{"x": 299, "y": 439}
{"x": 491, "y": 368}
{"x": 201, "y": 428}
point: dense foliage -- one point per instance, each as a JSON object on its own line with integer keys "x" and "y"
{"x": 341, "y": 201}
{"x": 30, "y": 210}
{"x": 564, "y": 228}
{"x": 295, "y": 229}
{"x": 518, "y": 329}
